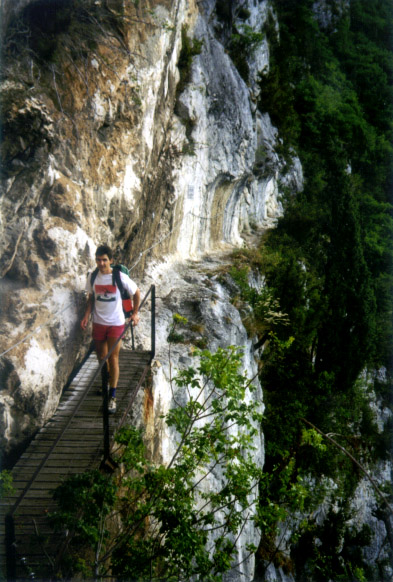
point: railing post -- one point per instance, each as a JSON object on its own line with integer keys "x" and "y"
{"x": 10, "y": 547}
{"x": 153, "y": 321}
{"x": 108, "y": 464}
{"x": 132, "y": 337}
{"x": 105, "y": 413}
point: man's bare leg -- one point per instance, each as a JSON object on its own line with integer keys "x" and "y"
{"x": 115, "y": 345}
{"x": 113, "y": 361}
{"x": 101, "y": 348}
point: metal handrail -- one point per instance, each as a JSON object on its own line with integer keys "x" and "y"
{"x": 99, "y": 370}
{"x": 10, "y": 531}
{"x": 153, "y": 321}
{"x": 152, "y": 290}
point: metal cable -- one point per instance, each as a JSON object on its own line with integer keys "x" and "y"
{"x": 37, "y": 329}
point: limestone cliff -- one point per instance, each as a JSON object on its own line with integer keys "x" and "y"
{"x": 113, "y": 133}
{"x": 100, "y": 144}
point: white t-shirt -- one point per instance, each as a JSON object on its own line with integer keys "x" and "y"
{"x": 108, "y": 307}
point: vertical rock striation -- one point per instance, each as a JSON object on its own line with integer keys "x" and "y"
{"x": 99, "y": 145}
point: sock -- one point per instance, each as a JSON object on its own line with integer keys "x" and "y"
{"x": 112, "y": 392}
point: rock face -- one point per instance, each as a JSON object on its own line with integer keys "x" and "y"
{"x": 328, "y": 14}
{"x": 195, "y": 290}
{"x": 100, "y": 146}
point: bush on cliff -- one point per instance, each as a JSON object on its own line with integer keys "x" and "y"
{"x": 155, "y": 521}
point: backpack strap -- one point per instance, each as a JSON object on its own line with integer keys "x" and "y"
{"x": 124, "y": 294}
{"x": 93, "y": 278}
{"x": 116, "y": 278}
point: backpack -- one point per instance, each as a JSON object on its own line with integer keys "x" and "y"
{"x": 116, "y": 278}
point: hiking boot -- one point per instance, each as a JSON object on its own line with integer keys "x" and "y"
{"x": 112, "y": 406}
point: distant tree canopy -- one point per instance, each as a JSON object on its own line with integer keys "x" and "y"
{"x": 331, "y": 95}
{"x": 329, "y": 91}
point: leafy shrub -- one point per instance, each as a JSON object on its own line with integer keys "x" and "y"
{"x": 160, "y": 521}
{"x": 242, "y": 44}
{"x": 189, "y": 49}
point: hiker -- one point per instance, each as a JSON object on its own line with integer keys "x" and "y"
{"x": 108, "y": 317}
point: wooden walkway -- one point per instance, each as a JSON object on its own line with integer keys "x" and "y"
{"x": 70, "y": 442}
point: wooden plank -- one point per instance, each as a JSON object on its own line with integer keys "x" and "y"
{"x": 80, "y": 448}
{"x": 58, "y": 460}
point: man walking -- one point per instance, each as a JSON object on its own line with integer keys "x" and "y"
{"x": 105, "y": 302}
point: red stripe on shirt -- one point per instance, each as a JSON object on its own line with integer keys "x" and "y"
{"x": 102, "y": 289}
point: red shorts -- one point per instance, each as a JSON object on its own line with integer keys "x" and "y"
{"x": 103, "y": 332}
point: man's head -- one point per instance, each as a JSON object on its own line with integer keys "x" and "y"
{"x": 104, "y": 250}
{"x": 104, "y": 258}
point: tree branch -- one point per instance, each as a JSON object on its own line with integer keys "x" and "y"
{"x": 359, "y": 465}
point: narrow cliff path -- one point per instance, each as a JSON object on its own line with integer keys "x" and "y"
{"x": 71, "y": 442}
{"x": 191, "y": 287}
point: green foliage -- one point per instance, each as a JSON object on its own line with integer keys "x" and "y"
{"x": 243, "y": 42}
{"x": 313, "y": 438}
{"x": 338, "y": 552}
{"x": 339, "y": 230}
{"x": 164, "y": 521}
{"x": 175, "y": 338}
{"x": 265, "y": 314}
{"x": 189, "y": 49}
{"x": 177, "y": 318}
{"x": 6, "y": 486}
{"x": 246, "y": 39}
{"x": 91, "y": 495}
{"x": 224, "y": 11}
{"x": 184, "y": 332}
{"x": 329, "y": 264}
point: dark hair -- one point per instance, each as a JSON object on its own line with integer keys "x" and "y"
{"x": 104, "y": 250}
